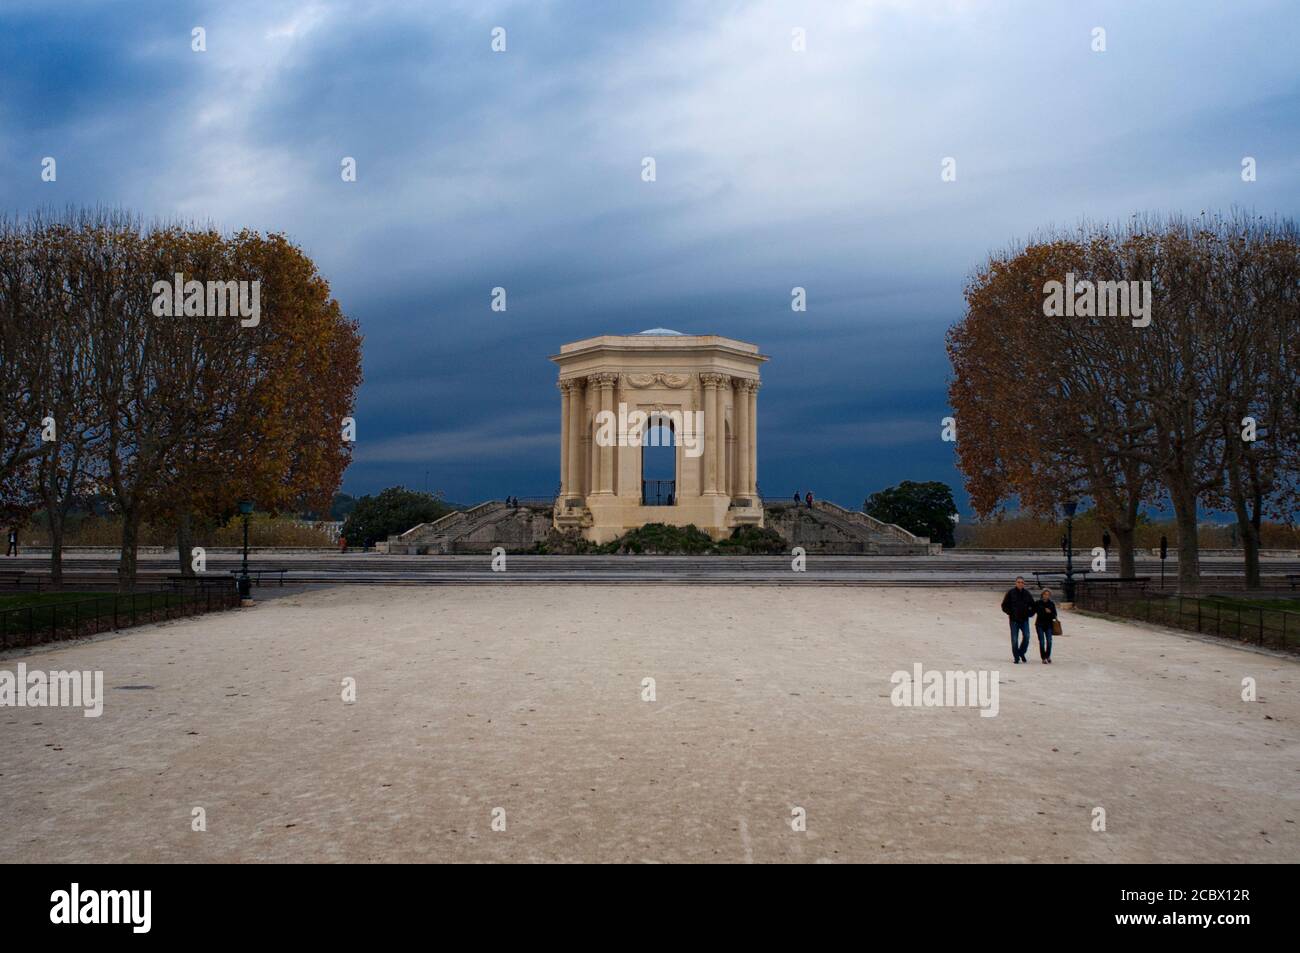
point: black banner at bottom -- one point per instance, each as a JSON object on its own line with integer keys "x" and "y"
{"x": 144, "y": 903}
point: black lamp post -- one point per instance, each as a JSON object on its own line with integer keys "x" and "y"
{"x": 1069, "y": 507}
{"x": 245, "y": 585}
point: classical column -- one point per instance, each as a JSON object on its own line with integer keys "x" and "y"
{"x": 740, "y": 403}
{"x": 564, "y": 439}
{"x": 752, "y": 411}
{"x": 577, "y": 401}
{"x": 710, "y": 383}
{"x": 606, "y": 384}
{"x": 724, "y": 385}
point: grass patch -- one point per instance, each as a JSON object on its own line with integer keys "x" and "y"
{"x": 1262, "y": 621}
{"x": 1254, "y": 602}
{"x": 21, "y": 613}
{"x": 23, "y": 599}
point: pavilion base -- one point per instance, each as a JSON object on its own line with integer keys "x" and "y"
{"x": 613, "y": 516}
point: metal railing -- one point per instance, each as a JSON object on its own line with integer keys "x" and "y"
{"x": 658, "y": 492}
{"x": 885, "y": 529}
{"x": 1209, "y": 614}
{"x": 54, "y": 621}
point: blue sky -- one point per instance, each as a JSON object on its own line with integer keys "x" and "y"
{"x": 775, "y": 168}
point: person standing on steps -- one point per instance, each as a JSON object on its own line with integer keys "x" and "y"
{"x": 796, "y": 497}
{"x": 13, "y": 541}
{"x": 1018, "y": 604}
{"x": 809, "y": 499}
{"x": 1105, "y": 542}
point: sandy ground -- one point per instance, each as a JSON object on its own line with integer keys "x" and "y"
{"x": 530, "y": 700}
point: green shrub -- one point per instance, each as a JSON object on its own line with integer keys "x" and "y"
{"x": 662, "y": 539}
{"x": 753, "y": 540}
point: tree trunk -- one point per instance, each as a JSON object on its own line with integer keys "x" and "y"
{"x": 56, "y": 551}
{"x": 1124, "y": 543}
{"x": 185, "y": 543}
{"x": 1248, "y": 523}
{"x": 126, "y": 566}
{"x": 1250, "y": 545}
{"x": 1189, "y": 565}
{"x": 58, "y": 499}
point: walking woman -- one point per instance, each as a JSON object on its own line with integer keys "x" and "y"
{"x": 1044, "y": 621}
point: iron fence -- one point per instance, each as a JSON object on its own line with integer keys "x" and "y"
{"x": 1211, "y": 614}
{"x": 50, "y": 621}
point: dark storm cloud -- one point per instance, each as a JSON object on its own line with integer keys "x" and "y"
{"x": 775, "y": 169}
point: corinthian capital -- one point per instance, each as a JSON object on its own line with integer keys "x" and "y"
{"x": 715, "y": 380}
{"x": 604, "y": 379}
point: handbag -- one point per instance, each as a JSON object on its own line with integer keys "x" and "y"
{"x": 1056, "y": 627}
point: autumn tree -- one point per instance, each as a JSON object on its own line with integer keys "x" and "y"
{"x": 175, "y": 406}
{"x": 1025, "y": 431}
{"x": 22, "y": 354}
{"x": 1125, "y": 407}
{"x": 1260, "y": 423}
{"x": 274, "y": 396}
{"x": 67, "y": 471}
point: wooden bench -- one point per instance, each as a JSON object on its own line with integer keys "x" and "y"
{"x": 16, "y": 577}
{"x": 1080, "y": 575}
{"x": 256, "y": 573}
{"x": 180, "y": 580}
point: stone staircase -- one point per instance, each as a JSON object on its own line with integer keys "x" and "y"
{"x": 476, "y": 530}
{"x": 827, "y": 528}
{"x": 890, "y": 539}
{"x": 830, "y": 528}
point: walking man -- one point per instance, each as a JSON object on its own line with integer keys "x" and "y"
{"x": 13, "y": 541}
{"x": 1018, "y": 604}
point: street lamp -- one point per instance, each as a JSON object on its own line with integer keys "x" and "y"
{"x": 245, "y": 586}
{"x": 1070, "y": 506}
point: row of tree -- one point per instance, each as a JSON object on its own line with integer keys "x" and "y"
{"x": 173, "y": 417}
{"x": 1195, "y": 404}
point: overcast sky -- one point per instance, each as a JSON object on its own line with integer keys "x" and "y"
{"x": 775, "y": 168}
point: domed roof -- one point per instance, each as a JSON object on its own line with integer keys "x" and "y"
{"x": 663, "y": 331}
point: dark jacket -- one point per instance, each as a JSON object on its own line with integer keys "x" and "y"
{"x": 1045, "y": 613}
{"x": 1018, "y": 604}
